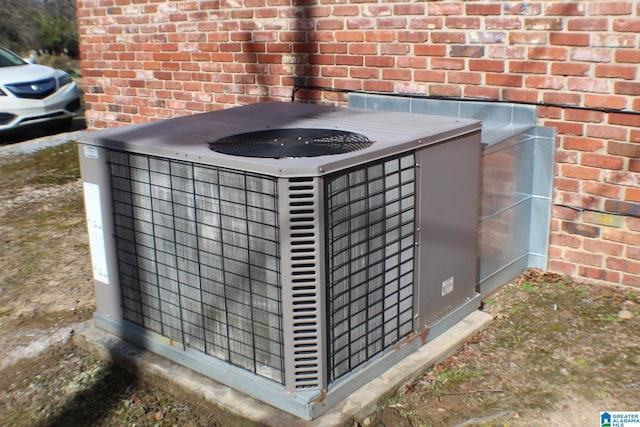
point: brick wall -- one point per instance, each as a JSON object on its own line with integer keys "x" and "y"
{"x": 152, "y": 59}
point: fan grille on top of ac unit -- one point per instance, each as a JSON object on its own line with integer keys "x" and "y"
{"x": 286, "y": 143}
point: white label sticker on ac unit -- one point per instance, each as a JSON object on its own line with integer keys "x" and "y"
{"x": 447, "y": 286}
{"x": 91, "y": 152}
{"x": 93, "y": 208}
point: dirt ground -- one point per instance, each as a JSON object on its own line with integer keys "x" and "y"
{"x": 557, "y": 353}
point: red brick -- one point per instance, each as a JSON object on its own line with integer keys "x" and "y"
{"x": 546, "y": 24}
{"x": 570, "y": 157}
{"x": 569, "y": 39}
{"x": 549, "y": 112}
{"x": 507, "y": 52}
{"x": 613, "y": 40}
{"x": 589, "y": 54}
{"x": 577, "y": 115}
{"x": 395, "y": 49}
{"x": 564, "y": 9}
{"x": 521, "y": 8}
{"x": 633, "y": 252}
{"x": 461, "y": 77}
{"x": 429, "y": 50}
{"x": 509, "y": 23}
{"x": 426, "y": 23}
{"x": 588, "y": 24}
{"x": 445, "y": 90}
{"x": 628, "y": 55}
{"x": 467, "y": 51}
{"x": 616, "y": 71}
{"x": 587, "y": 85}
{"x": 565, "y": 240}
{"x": 528, "y": 96}
{"x": 487, "y": 37}
{"x": 448, "y": 37}
{"x": 395, "y": 74}
{"x": 624, "y": 119}
{"x": 565, "y": 213}
{"x": 579, "y": 172}
{"x": 600, "y": 274}
{"x": 584, "y": 258}
{"x": 447, "y": 64}
{"x": 600, "y": 189}
{"x": 548, "y": 53}
{"x": 512, "y": 80}
{"x": 409, "y": 9}
{"x": 379, "y": 61}
{"x": 439, "y": 9}
{"x": 544, "y": 82}
{"x": 337, "y": 10}
{"x": 626, "y": 265}
{"x": 562, "y": 267}
{"x": 602, "y": 161}
{"x": 429, "y": 76}
{"x": 363, "y": 48}
{"x": 380, "y": 36}
{"x": 626, "y": 25}
{"x": 627, "y": 88}
{"x": 528, "y": 67}
{"x": 528, "y": 37}
{"x": 582, "y": 143}
{"x": 413, "y": 36}
{"x": 624, "y": 149}
{"x": 631, "y": 280}
{"x": 558, "y": 98}
{"x": 610, "y": 8}
{"x": 414, "y": 62}
{"x": 633, "y": 224}
{"x": 349, "y": 36}
{"x": 364, "y": 73}
{"x": 378, "y": 86}
{"x": 605, "y": 101}
{"x": 459, "y": 22}
{"x": 482, "y": 9}
{"x": 567, "y": 184}
{"x": 573, "y": 228}
{"x": 568, "y": 128}
{"x": 632, "y": 194}
{"x": 482, "y": 92}
{"x": 386, "y": 23}
{"x": 486, "y": 65}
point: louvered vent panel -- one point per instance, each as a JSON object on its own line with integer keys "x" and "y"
{"x": 304, "y": 259}
{"x": 199, "y": 257}
{"x": 370, "y": 230}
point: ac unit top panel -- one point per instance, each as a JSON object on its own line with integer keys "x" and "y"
{"x": 189, "y": 137}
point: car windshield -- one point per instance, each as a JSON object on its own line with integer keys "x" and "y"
{"x": 9, "y": 59}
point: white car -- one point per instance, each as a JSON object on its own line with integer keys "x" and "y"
{"x": 34, "y": 94}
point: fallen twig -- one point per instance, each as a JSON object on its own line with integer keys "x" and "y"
{"x": 480, "y": 420}
{"x": 460, "y": 393}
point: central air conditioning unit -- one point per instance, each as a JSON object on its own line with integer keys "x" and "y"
{"x": 291, "y": 251}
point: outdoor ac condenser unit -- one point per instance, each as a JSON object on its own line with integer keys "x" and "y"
{"x": 291, "y": 251}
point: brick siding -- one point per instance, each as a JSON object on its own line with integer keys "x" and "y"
{"x": 153, "y": 59}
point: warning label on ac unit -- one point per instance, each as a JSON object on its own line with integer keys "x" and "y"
{"x": 447, "y": 286}
{"x": 93, "y": 209}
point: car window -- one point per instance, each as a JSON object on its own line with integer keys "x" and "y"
{"x": 8, "y": 59}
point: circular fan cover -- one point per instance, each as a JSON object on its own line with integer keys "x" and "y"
{"x": 287, "y": 143}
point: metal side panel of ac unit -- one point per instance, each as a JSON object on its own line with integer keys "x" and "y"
{"x": 303, "y": 282}
{"x": 96, "y": 178}
{"x": 447, "y": 228}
